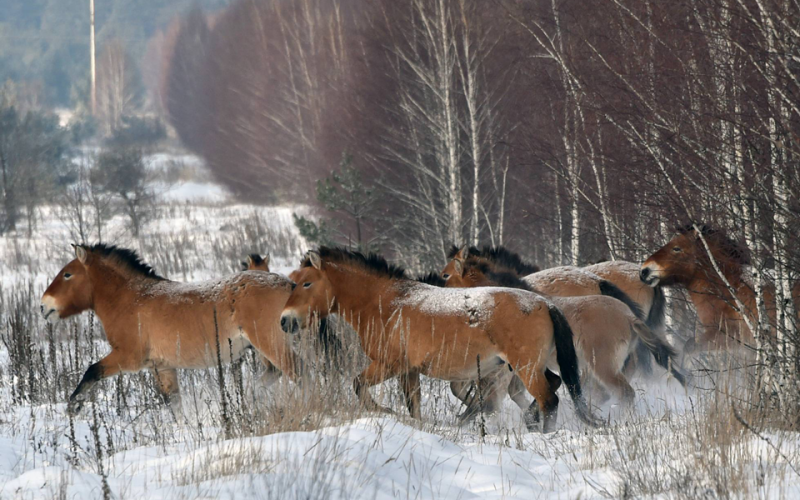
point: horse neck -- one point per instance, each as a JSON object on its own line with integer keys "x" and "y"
{"x": 361, "y": 297}
{"x": 113, "y": 294}
{"x": 714, "y": 300}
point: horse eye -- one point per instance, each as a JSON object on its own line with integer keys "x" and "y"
{"x": 446, "y": 276}
{"x": 677, "y": 249}
{"x": 67, "y": 276}
{"x": 307, "y": 285}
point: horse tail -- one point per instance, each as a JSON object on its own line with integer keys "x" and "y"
{"x": 658, "y": 310}
{"x": 611, "y": 290}
{"x": 663, "y": 352}
{"x": 643, "y": 359}
{"x": 568, "y": 364}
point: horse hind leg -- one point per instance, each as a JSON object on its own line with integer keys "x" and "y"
{"x": 374, "y": 374}
{"x": 537, "y": 384}
{"x": 530, "y": 411}
{"x": 616, "y": 383}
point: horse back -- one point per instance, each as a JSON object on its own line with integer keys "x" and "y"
{"x": 182, "y": 324}
{"x": 625, "y": 275}
{"x": 564, "y": 281}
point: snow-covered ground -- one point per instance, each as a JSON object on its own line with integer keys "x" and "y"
{"x": 673, "y": 444}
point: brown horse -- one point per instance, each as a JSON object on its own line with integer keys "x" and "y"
{"x": 684, "y": 262}
{"x": 408, "y": 328}
{"x": 617, "y": 279}
{"x": 162, "y": 325}
{"x": 605, "y": 328}
{"x": 255, "y": 262}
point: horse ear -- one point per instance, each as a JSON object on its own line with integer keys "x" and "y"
{"x": 80, "y": 253}
{"x": 266, "y": 260}
{"x": 250, "y": 262}
{"x": 315, "y": 259}
{"x": 458, "y": 264}
{"x": 462, "y": 252}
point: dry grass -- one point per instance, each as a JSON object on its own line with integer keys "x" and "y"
{"x": 701, "y": 451}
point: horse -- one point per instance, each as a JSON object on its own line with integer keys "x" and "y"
{"x": 408, "y": 329}
{"x": 617, "y": 279}
{"x": 327, "y": 340}
{"x": 157, "y": 324}
{"x": 605, "y": 328}
{"x": 256, "y": 262}
{"x": 684, "y": 262}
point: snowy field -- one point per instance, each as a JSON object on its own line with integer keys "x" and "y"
{"x": 288, "y": 443}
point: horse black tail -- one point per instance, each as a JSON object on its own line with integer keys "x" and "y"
{"x": 643, "y": 359}
{"x": 658, "y": 310}
{"x": 568, "y": 364}
{"x": 661, "y": 350}
{"x": 612, "y": 290}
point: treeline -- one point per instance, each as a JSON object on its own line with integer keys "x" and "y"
{"x": 45, "y": 163}
{"x": 45, "y": 43}
{"x": 572, "y": 131}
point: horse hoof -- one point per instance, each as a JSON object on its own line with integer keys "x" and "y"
{"x": 74, "y": 407}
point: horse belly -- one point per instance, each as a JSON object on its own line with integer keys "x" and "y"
{"x": 199, "y": 351}
{"x": 460, "y": 368}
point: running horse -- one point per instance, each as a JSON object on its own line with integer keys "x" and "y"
{"x": 606, "y": 331}
{"x": 684, "y": 262}
{"x": 408, "y": 328}
{"x": 617, "y": 279}
{"x": 157, "y": 324}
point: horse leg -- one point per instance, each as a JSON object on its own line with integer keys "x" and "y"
{"x": 592, "y": 389}
{"x": 374, "y": 374}
{"x": 530, "y": 411}
{"x": 538, "y": 386}
{"x": 516, "y": 390}
{"x": 168, "y": 387}
{"x": 276, "y": 352}
{"x": 616, "y": 383}
{"x": 271, "y": 373}
{"x": 109, "y": 366}
{"x": 463, "y": 390}
{"x": 487, "y": 393}
{"x": 409, "y": 382}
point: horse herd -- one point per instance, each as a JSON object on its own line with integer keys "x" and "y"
{"x": 488, "y": 322}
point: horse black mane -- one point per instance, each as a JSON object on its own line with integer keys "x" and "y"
{"x": 126, "y": 257}
{"x": 731, "y": 248}
{"x": 500, "y": 256}
{"x": 432, "y": 278}
{"x": 371, "y": 262}
{"x": 506, "y": 279}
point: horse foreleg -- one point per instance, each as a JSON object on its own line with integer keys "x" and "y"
{"x": 374, "y": 374}
{"x": 109, "y": 366}
{"x": 271, "y": 373}
{"x": 168, "y": 387}
{"x": 409, "y": 382}
{"x": 276, "y": 352}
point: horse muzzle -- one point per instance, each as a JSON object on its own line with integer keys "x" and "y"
{"x": 649, "y": 276}
{"x": 49, "y": 310}
{"x": 290, "y": 323}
